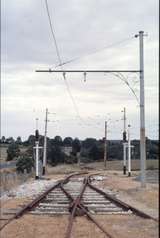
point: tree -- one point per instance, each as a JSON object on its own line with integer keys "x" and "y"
{"x": 76, "y": 145}
{"x": 58, "y": 141}
{"x": 68, "y": 141}
{"x": 19, "y": 140}
{"x": 95, "y": 153}
{"x": 89, "y": 142}
{"x": 24, "y": 163}
{"x": 29, "y": 151}
{"x": 3, "y": 139}
{"x": 13, "y": 151}
{"x": 55, "y": 156}
{"x": 9, "y": 140}
{"x": 115, "y": 151}
{"x": 31, "y": 140}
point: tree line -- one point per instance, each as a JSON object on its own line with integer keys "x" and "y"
{"x": 88, "y": 150}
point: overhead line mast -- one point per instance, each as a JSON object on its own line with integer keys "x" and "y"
{"x": 45, "y": 144}
{"x": 142, "y": 110}
{"x": 142, "y": 102}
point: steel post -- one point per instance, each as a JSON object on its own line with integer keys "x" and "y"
{"x": 129, "y": 153}
{"x": 142, "y": 114}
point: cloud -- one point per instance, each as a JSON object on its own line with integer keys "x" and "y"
{"x": 81, "y": 27}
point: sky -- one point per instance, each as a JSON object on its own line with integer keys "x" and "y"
{"x": 100, "y": 35}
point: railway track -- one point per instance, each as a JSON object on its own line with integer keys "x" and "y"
{"x": 77, "y": 196}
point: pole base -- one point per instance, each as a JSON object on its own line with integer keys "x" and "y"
{"x": 44, "y": 171}
{"x": 36, "y": 177}
{"x": 124, "y": 169}
{"x": 129, "y": 174}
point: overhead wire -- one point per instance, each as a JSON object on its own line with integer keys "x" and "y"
{"x": 52, "y": 31}
{"x": 60, "y": 61}
{"x": 95, "y": 51}
{"x": 123, "y": 78}
{"x": 77, "y": 58}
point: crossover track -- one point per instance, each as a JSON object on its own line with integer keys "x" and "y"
{"x": 77, "y": 196}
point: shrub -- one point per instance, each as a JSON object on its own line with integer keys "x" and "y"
{"x": 24, "y": 163}
{"x": 13, "y": 151}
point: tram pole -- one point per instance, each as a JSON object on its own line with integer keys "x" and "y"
{"x": 142, "y": 111}
{"x": 105, "y": 145}
{"x": 45, "y": 144}
{"x": 129, "y": 152}
{"x": 124, "y": 140}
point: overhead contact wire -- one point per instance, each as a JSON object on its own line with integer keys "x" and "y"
{"x": 95, "y": 51}
{"x": 60, "y": 61}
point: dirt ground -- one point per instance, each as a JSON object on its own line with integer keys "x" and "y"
{"x": 129, "y": 190}
{"x": 126, "y": 188}
{"x": 46, "y": 227}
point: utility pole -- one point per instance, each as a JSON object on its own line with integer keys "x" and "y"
{"x": 142, "y": 112}
{"x": 45, "y": 144}
{"x": 142, "y": 106}
{"x": 124, "y": 157}
{"x": 37, "y": 159}
{"x": 37, "y": 149}
{"x": 105, "y": 145}
{"x": 124, "y": 128}
{"x": 129, "y": 152}
{"x": 124, "y": 140}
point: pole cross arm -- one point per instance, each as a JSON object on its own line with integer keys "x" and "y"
{"x": 86, "y": 71}
{"x": 39, "y": 147}
{"x": 126, "y": 145}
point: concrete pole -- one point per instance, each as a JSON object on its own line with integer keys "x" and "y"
{"x": 142, "y": 112}
{"x": 129, "y": 152}
{"x": 124, "y": 119}
{"x": 37, "y": 159}
{"x": 124, "y": 141}
{"x": 45, "y": 144}
{"x": 124, "y": 158}
{"x": 105, "y": 145}
{"x": 37, "y": 123}
{"x": 142, "y": 115}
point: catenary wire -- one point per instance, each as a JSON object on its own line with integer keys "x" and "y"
{"x": 60, "y": 61}
{"x": 96, "y": 51}
{"x": 77, "y": 58}
{"x": 123, "y": 78}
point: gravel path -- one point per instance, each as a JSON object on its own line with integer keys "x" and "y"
{"x": 29, "y": 189}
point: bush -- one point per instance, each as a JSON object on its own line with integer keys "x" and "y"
{"x": 55, "y": 156}
{"x": 24, "y": 163}
{"x": 12, "y": 151}
{"x": 70, "y": 159}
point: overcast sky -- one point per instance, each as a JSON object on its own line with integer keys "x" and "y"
{"x": 81, "y": 27}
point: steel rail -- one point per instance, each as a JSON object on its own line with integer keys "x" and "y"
{"x": 95, "y": 222}
{"x": 72, "y": 175}
{"x": 122, "y": 204}
{"x": 30, "y": 205}
{"x": 34, "y": 203}
{"x": 82, "y": 208}
{"x": 74, "y": 207}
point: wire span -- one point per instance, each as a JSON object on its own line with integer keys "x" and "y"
{"x": 53, "y": 33}
{"x": 95, "y": 51}
{"x": 60, "y": 61}
{"x": 124, "y": 79}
